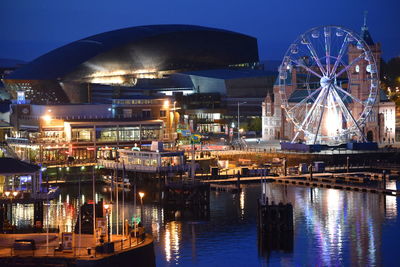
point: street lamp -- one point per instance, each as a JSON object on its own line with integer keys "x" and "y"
{"x": 7, "y": 193}
{"x": 238, "y": 117}
{"x": 141, "y": 195}
{"x": 107, "y": 207}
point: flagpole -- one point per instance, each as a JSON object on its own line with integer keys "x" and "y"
{"x": 116, "y": 196}
{"x": 111, "y": 200}
{"x": 134, "y": 205}
{"x": 80, "y": 216}
{"x": 94, "y": 204}
{"x": 123, "y": 199}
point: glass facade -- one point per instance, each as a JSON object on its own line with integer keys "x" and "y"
{"x": 52, "y": 155}
{"x": 82, "y": 135}
{"x": 149, "y": 133}
{"x": 54, "y": 145}
{"x": 129, "y": 133}
{"x": 133, "y": 101}
{"x": 83, "y": 154}
{"x": 53, "y": 134}
{"x": 106, "y": 134}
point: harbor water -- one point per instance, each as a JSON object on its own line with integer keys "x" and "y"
{"x": 331, "y": 227}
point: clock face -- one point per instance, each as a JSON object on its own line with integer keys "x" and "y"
{"x": 357, "y": 68}
{"x": 25, "y": 110}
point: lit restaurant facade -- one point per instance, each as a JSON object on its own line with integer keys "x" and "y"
{"x": 76, "y": 134}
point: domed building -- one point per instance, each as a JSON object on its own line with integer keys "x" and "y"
{"x": 128, "y": 57}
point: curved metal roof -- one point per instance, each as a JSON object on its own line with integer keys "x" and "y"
{"x": 66, "y": 59}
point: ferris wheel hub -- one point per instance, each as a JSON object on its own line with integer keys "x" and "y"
{"x": 326, "y": 81}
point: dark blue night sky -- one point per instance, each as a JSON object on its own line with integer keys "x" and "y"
{"x": 29, "y": 28}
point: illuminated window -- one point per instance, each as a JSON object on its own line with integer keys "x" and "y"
{"x": 81, "y": 135}
{"x": 127, "y": 113}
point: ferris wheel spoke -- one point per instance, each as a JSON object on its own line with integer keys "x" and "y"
{"x": 306, "y": 68}
{"x": 351, "y": 64}
{"x": 304, "y": 100}
{"x": 311, "y": 111}
{"x": 337, "y": 88}
{"x": 327, "y": 34}
{"x": 346, "y": 111}
{"x": 315, "y": 56}
{"x": 322, "y": 114}
{"x": 340, "y": 55}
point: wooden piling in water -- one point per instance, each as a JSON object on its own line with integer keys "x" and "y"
{"x": 275, "y": 217}
{"x": 275, "y": 226}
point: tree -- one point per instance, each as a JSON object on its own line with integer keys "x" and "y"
{"x": 390, "y": 79}
{"x": 390, "y": 73}
{"x": 255, "y": 124}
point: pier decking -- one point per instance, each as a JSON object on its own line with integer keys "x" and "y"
{"x": 345, "y": 181}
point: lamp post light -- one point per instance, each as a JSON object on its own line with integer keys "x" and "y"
{"x": 7, "y": 193}
{"x": 238, "y": 118}
{"x": 141, "y": 195}
{"x": 107, "y": 208}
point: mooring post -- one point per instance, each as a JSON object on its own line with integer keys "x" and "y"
{"x": 284, "y": 167}
{"x": 238, "y": 180}
{"x": 310, "y": 170}
{"x": 384, "y": 179}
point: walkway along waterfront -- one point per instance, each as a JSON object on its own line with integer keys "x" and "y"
{"x": 345, "y": 181}
{"x": 140, "y": 251}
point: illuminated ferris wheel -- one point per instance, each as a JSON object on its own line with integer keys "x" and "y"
{"x": 328, "y": 83}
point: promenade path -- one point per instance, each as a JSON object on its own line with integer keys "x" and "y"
{"x": 79, "y": 250}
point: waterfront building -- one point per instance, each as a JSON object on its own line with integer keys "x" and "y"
{"x": 379, "y": 126}
{"x": 81, "y": 133}
{"x": 213, "y": 106}
{"x": 271, "y": 119}
{"x": 175, "y": 60}
{"x": 18, "y": 177}
{"x": 137, "y": 56}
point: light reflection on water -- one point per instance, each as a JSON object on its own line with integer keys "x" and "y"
{"x": 331, "y": 227}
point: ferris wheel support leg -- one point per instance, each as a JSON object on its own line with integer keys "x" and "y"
{"x": 295, "y": 136}
{"x": 305, "y": 99}
{"x": 322, "y": 115}
{"x": 321, "y": 94}
{"x": 344, "y": 108}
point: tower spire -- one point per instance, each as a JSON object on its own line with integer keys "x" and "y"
{"x": 365, "y": 18}
{"x": 365, "y": 35}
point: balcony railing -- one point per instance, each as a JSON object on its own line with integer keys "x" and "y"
{"x": 110, "y": 164}
{"x": 134, "y": 117}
